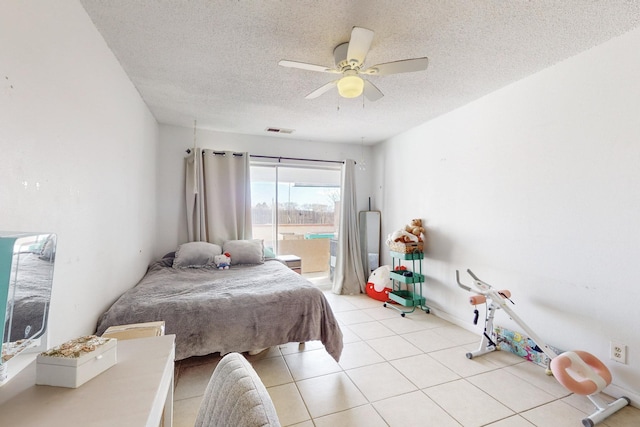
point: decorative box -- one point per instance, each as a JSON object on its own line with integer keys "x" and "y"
{"x": 75, "y": 362}
{"x": 135, "y": 330}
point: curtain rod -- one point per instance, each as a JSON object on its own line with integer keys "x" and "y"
{"x": 277, "y": 157}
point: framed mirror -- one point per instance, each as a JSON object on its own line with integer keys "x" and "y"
{"x": 26, "y": 276}
{"x": 369, "y": 224}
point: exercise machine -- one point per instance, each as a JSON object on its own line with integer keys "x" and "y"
{"x": 578, "y": 371}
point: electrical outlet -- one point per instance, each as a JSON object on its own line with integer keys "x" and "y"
{"x": 618, "y": 352}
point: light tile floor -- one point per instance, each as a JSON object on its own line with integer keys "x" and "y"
{"x": 396, "y": 371}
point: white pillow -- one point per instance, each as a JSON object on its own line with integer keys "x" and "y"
{"x": 245, "y": 251}
{"x": 196, "y": 254}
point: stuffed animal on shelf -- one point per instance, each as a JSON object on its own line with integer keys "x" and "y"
{"x": 415, "y": 228}
{"x": 401, "y": 236}
{"x": 223, "y": 262}
{"x": 412, "y": 232}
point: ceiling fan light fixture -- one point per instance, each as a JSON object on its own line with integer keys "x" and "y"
{"x": 350, "y": 86}
{"x": 349, "y": 60}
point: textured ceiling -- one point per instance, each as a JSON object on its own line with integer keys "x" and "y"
{"x": 216, "y": 61}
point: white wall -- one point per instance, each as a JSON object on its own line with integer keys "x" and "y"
{"x": 174, "y": 141}
{"x": 536, "y": 188}
{"x": 78, "y": 157}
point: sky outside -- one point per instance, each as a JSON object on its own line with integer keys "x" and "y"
{"x": 263, "y": 192}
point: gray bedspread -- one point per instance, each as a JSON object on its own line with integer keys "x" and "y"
{"x": 247, "y": 307}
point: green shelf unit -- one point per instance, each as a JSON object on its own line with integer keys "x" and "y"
{"x": 410, "y": 256}
{"x": 407, "y": 290}
{"x": 406, "y": 298}
{"x": 414, "y": 278}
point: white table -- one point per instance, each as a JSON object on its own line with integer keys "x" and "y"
{"x": 135, "y": 392}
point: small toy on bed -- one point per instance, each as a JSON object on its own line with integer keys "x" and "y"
{"x": 223, "y": 262}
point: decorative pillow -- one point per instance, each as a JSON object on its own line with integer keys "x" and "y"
{"x": 268, "y": 252}
{"x": 195, "y": 254}
{"x": 245, "y": 251}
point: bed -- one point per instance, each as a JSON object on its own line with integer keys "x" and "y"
{"x": 247, "y": 307}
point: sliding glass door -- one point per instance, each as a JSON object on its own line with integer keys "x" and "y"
{"x": 296, "y": 211}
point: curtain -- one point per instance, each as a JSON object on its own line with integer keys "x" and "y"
{"x": 218, "y": 196}
{"x": 196, "y": 228}
{"x": 349, "y": 277}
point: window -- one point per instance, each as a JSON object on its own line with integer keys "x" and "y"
{"x": 296, "y": 211}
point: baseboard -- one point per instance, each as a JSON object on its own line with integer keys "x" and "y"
{"x": 617, "y": 391}
{"x": 446, "y": 316}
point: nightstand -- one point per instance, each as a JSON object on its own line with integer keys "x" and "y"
{"x": 294, "y": 262}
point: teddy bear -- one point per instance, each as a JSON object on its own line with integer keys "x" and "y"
{"x": 411, "y": 233}
{"x": 223, "y": 262}
{"x": 415, "y": 228}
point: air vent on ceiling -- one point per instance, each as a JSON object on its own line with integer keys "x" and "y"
{"x": 279, "y": 130}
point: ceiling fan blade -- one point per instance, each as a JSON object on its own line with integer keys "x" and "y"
{"x": 371, "y": 91}
{"x": 305, "y": 66}
{"x": 404, "y": 66}
{"x": 322, "y": 89}
{"x": 359, "y": 45}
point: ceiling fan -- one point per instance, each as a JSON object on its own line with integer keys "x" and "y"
{"x": 349, "y": 58}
